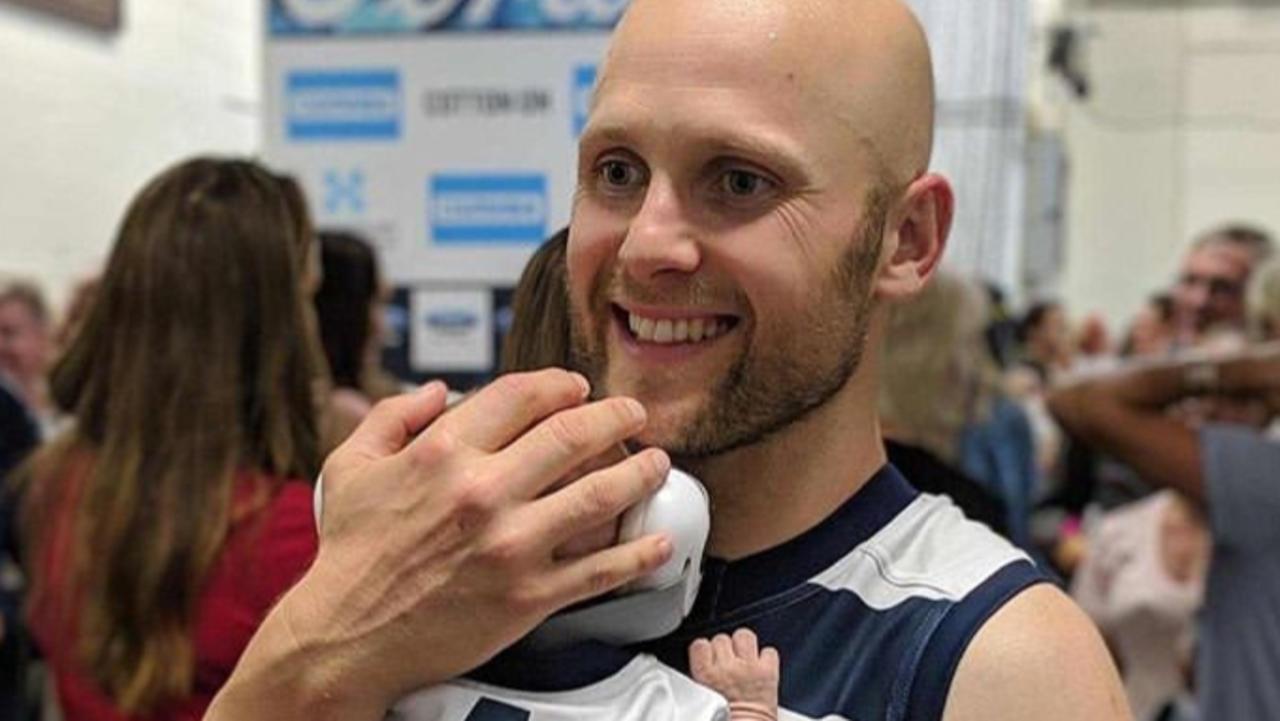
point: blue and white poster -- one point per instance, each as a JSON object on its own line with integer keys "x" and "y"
{"x": 445, "y": 131}
{"x": 342, "y": 17}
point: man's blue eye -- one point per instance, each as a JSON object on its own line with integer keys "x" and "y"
{"x": 743, "y": 183}
{"x": 617, "y": 173}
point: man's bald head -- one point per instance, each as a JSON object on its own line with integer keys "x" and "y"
{"x": 864, "y": 63}
{"x": 759, "y": 165}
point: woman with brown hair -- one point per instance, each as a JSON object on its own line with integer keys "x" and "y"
{"x": 163, "y": 526}
{"x": 539, "y": 335}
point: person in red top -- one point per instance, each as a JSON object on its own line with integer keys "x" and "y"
{"x": 165, "y": 524}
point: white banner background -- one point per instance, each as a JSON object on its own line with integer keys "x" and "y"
{"x": 453, "y": 150}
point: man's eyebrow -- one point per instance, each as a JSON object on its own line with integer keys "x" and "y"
{"x": 609, "y": 134}
{"x": 785, "y": 157}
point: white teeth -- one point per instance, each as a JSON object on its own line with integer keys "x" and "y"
{"x": 666, "y": 331}
{"x": 680, "y": 331}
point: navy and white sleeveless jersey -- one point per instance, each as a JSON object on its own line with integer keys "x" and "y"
{"x": 871, "y": 610}
{"x": 584, "y": 683}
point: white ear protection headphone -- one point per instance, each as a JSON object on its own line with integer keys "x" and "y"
{"x": 680, "y": 509}
{"x": 653, "y": 605}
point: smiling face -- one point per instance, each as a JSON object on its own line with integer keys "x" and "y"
{"x": 728, "y": 222}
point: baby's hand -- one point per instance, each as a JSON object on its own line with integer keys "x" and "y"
{"x": 740, "y": 671}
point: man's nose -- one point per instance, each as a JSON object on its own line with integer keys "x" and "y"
{"x": 660, "y": 238}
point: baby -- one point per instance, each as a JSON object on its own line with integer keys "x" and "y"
{"x": 742, "y": 672}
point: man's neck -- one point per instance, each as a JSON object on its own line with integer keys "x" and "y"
{"x": 770, "y": 492}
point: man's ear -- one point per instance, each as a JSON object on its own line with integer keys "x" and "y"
{"x": 916, "y": 237}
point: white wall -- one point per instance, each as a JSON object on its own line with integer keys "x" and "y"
{"x": 89, "y": 116}
{"x": 980, "y": 64}
{"x": 1181, "y": 132}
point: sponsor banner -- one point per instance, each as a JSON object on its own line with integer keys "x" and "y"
{"x": 455, "y": 156}
{"x": 487, "y": 102}
{"x": 348, "y": 104}
{"x": 451, "y": 331}
{"x": 583, "y": 85}
{"x": 390, "y": 17}
{"x": 488, "y": 208}
{"x": 398, "y": 322}
{"x": 344, "y": 191}
{"x": 454, "y": 153}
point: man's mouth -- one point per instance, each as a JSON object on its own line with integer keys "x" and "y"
{"x": 675, "y": 327}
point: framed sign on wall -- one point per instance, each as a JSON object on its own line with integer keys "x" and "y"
{"x": 103, "y": 14}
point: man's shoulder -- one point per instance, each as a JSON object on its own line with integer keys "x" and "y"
{"x": 1037, "y": 657}
{"x": 964, "y": 573}
{"x": 912, "y": 595}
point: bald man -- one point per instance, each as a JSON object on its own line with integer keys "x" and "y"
{"x": 753, "y": 197}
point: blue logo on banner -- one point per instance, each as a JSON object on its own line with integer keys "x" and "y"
{"x": 344, "y": 191}
{"x": 343, "y": 104}
{"x": 452, "y": 320}
{"x": 584, "y": 81}
{"x": 467, "y": 208}
{"x": 342, "y": 17}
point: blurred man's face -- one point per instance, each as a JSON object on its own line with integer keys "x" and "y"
{"x": 1210, "y": 290}
{"x": 24, "y": 342}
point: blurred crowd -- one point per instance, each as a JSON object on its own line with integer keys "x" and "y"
{"x": 1106, "y": 455}
{"x": 160, "y": 437}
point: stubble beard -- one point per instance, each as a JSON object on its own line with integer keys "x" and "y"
{"x": 766, "y": 389}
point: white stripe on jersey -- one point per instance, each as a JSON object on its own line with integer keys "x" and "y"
{"x": 930, "y": 550}
{"x": 789, "y": 715}
{"x": 786, "y": 714}
{"x": 644, "y": 690}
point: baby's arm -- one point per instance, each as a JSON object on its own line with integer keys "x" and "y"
{"x": 744, "y": 674}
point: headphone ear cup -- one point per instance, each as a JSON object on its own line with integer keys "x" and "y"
{"x": 680, "y": 509}
{"x": 631, "y": 525}
{"x": 653, "y": 606}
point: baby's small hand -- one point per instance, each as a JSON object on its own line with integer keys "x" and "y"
{"x": 744, "y": 674}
